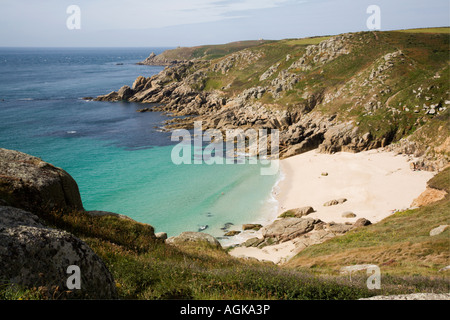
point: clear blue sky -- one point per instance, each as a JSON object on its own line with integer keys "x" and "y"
{"x": 152, "y": 23}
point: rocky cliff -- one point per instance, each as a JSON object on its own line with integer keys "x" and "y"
{"x": 32, "y": 254}
{"x": 350, "y": 92}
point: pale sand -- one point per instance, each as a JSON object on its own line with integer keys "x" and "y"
{"x": 375, "y": 183}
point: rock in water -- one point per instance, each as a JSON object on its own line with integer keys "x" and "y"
{"x": 33, "y": 255}
{"x": 361, "y": 222}
{"x": 125, "y": 93}
{"x": 334, "y": 202}
{"x": 31, "y": 184}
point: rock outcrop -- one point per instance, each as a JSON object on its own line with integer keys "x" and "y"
{"x": 33, "y": 255}
{"x": 301, "y": 232}
{"x": 297, "y": 213}
{"x": 29, "y": 183}
{"x": 158, "y": 60}
{"x": 251, "y": 88}
{"x": 288, "y": 228}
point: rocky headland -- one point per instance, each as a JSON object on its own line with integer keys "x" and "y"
{"x": 307, "y": 93}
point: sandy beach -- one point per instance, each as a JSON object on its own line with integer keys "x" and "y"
{"x": 375, "y": 183}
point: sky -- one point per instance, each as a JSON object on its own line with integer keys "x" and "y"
{"x": 171, "y": 23}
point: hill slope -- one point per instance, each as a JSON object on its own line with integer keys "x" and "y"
{"x": 350, "y": 92}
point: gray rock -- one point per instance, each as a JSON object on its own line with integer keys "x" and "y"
{"x": 251, "y": 226}
{"x": 338, "y": 228}
{"x": 439, "y": 230}
{"x": 33, "y": 255}
{"x": 232, "y": 233}
{"x": 348, "y": 214}
{"x": 362, "y": 222}
{"x": 29, "y": 183}
{"x": 289, "y": 228}
{"x": 194, "y": 237}
{"x": 253, "y": 242}
{"x": 447, "y": 268}
{"x": 334, "y": 202}
{"x": 297, "y": 213}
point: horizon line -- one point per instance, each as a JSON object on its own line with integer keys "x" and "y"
{"x": 177, "y": 46}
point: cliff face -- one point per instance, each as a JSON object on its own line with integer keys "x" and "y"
{"x": 350, "y": 92}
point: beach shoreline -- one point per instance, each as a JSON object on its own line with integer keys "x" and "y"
{"x": 375, "y": 184}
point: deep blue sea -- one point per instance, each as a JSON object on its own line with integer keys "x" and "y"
{"x": 119, "y": 158}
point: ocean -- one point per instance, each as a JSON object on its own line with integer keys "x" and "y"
{"x": 120, "y": 158}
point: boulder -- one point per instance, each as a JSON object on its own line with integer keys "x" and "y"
{"x": 430, "y": 195}
{"x": 334, "y": 202}
{"x": 297, "y": 213}
{"x": 289, "y": 228}
{"x": 362, "y": 222}
{"x": 447, "y": 268}
{"x": 337, "y": 228}
{"x": 232, "y": 233}
{"x": 438, "y": 230}
{"x": 33, "y": 255}
{"x": 348, "y": 214}
{"x": 252, "y": 226}
{"x": 194, "y": 237}
{"x": 253, "y": 242}
{"x": 31, "y": 184}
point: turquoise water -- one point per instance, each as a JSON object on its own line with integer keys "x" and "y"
{"x": 119, "y": 158}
